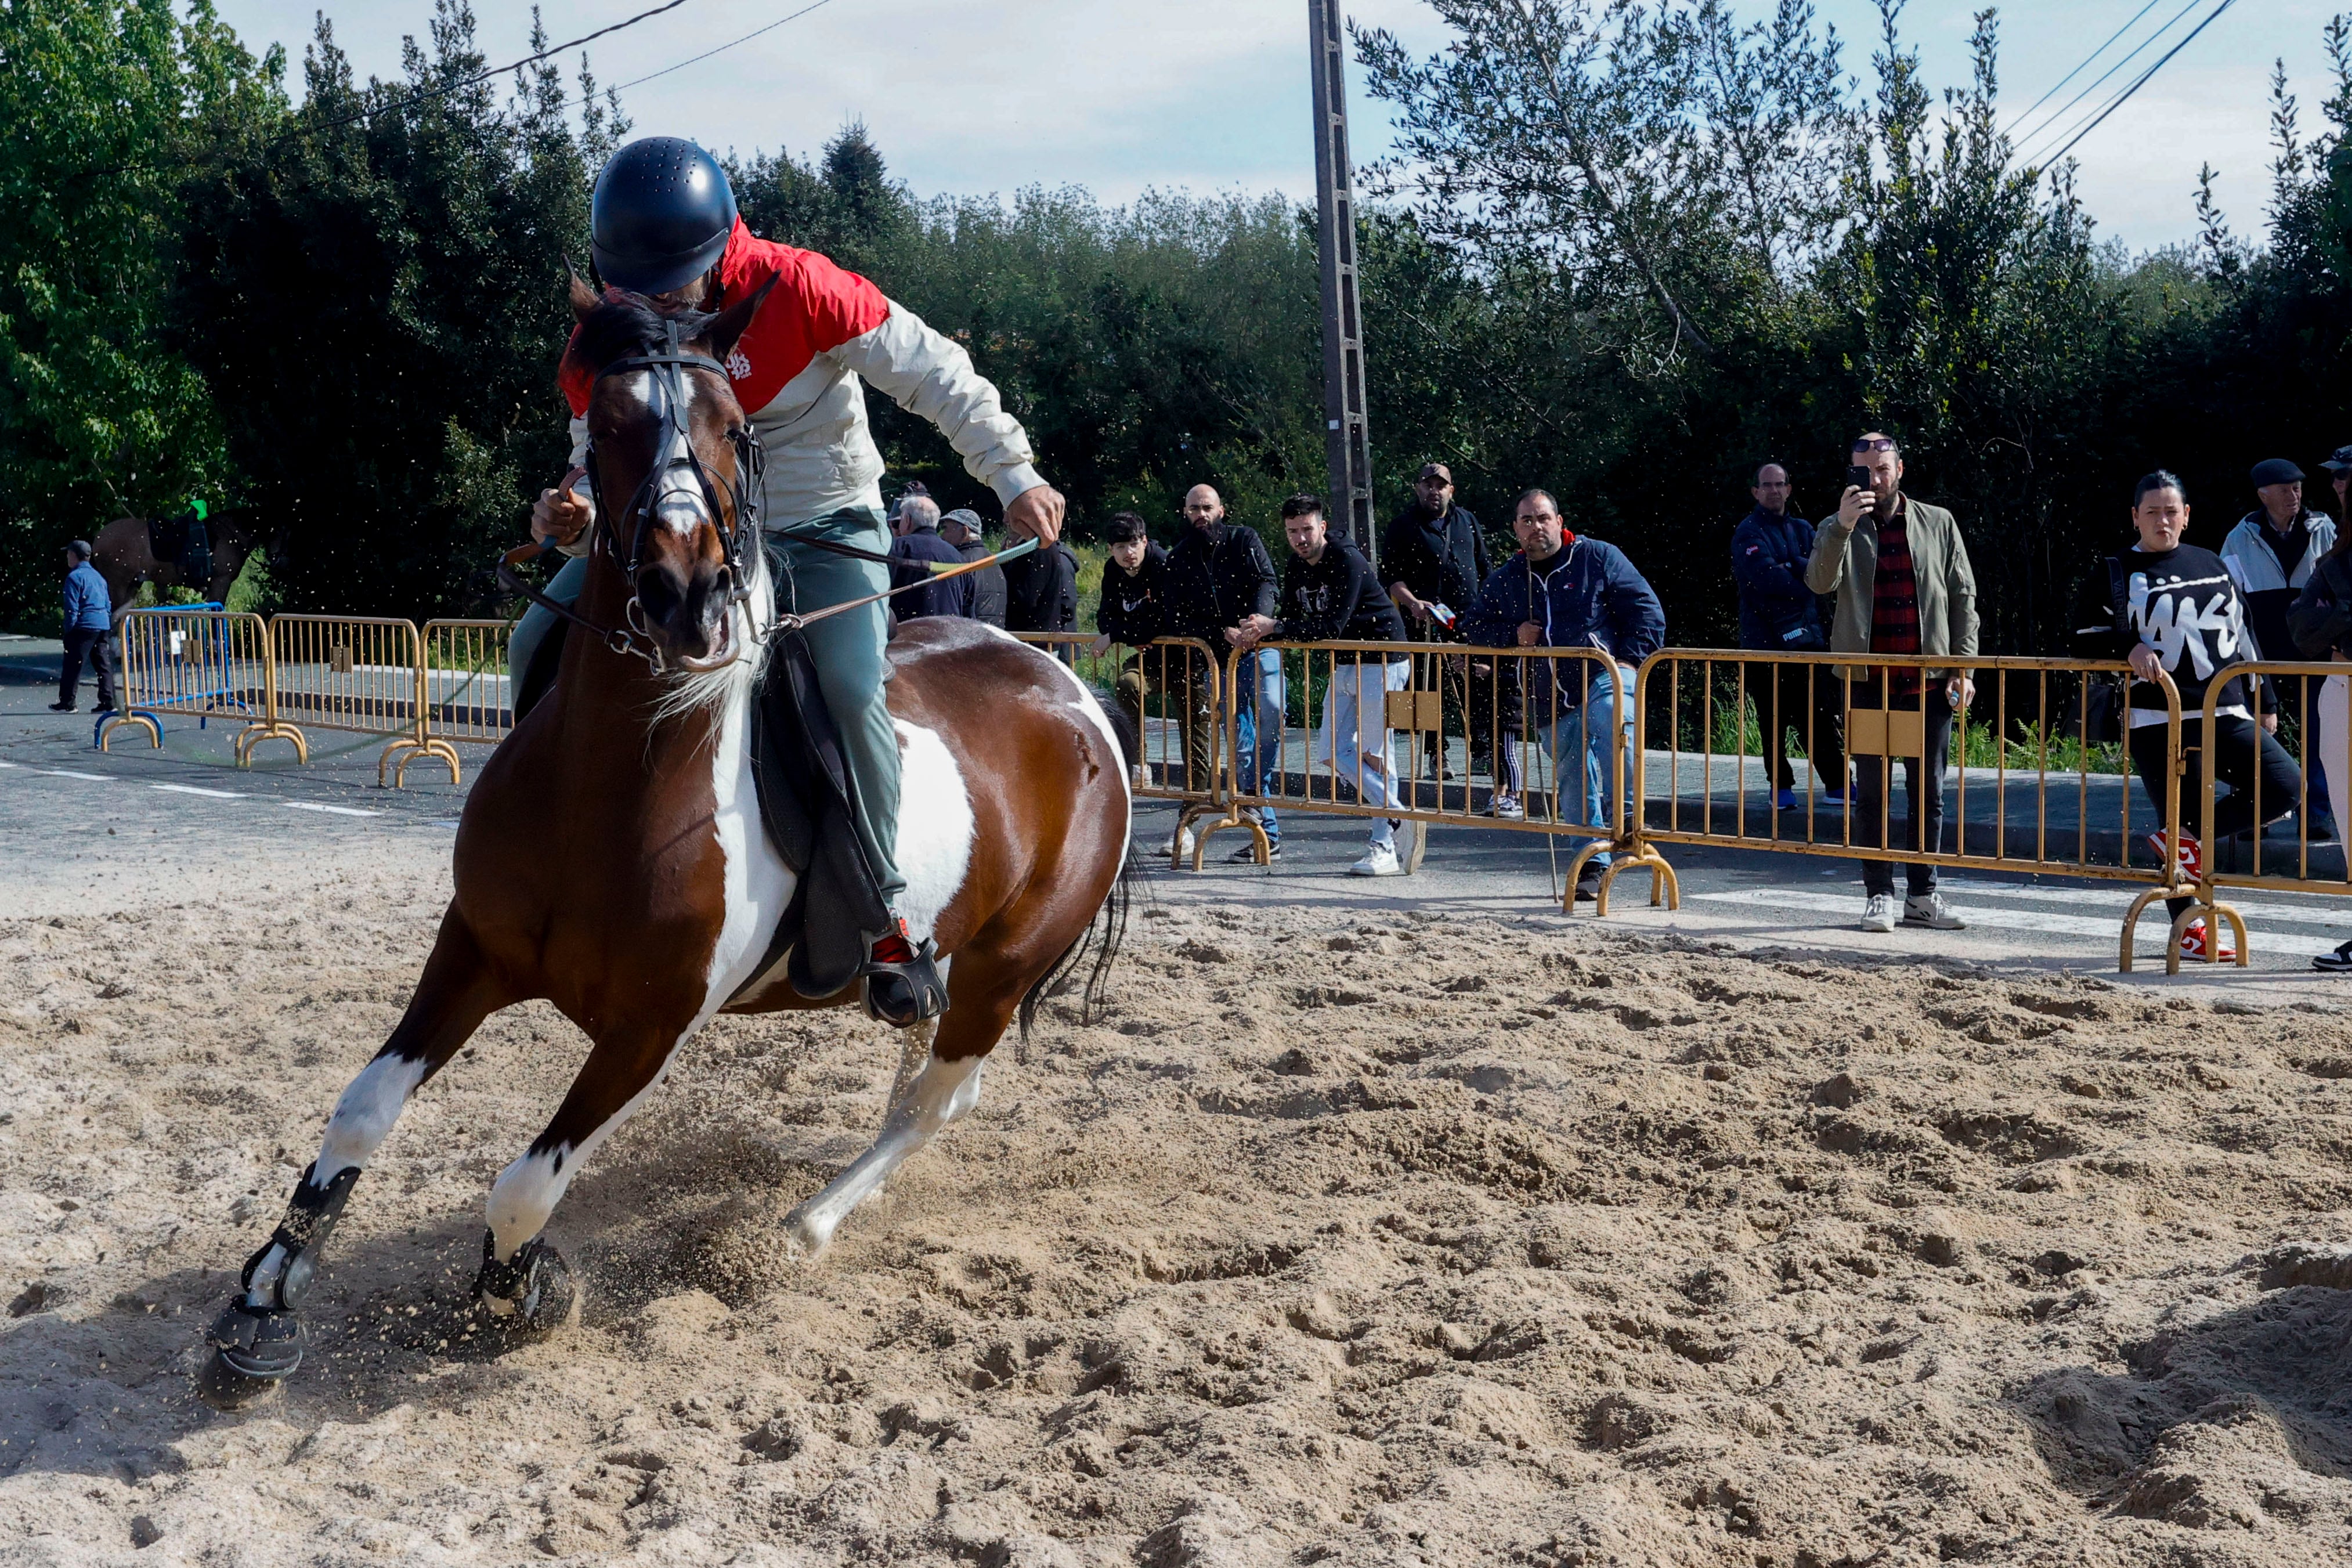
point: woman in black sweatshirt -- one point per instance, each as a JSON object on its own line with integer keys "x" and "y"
{"x": 2163, "y": 605}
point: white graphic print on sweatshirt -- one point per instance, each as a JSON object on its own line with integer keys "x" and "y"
{"x": 2196, "y": 616}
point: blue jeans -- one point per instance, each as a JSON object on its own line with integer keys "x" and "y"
{"x": 1259, "y": 724}
{"x": 1583, "y": 790}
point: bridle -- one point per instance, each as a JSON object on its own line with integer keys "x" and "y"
{"x": 675, "y": 443}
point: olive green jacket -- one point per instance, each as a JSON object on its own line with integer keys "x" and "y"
{"x": 1845, "y": 562}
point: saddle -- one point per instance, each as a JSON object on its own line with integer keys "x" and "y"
{"x": 184, "y": 543}
{"x": 805, "y": 792}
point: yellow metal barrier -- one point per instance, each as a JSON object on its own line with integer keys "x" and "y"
{"x": 468, "y": 688}
{"x": 2298, "y": 686}
{"x": 2009, "y": 808}
{"x": 1552, "y": 769}
{"x": 1171, "y": 690}
{"x": 211, "y": 664}
{"x": 357, "y": 673}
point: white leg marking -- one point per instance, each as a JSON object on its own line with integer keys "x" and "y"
{"x": 362, "y": 1119}
{"x": 526, "y": 1191}
{"x": 939, "y": 1093}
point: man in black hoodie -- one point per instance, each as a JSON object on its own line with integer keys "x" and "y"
{"x": 1217, "y": 573}
{"x": 1133, "y": 607}
{"x": 1433, "y": 558}
{"x": 1329, "y": 594}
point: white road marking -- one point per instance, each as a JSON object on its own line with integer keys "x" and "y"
{"x": 338, "y": 810}
{"x": 70, "y": 774}
{"x": 2106, "y": 931}
{"x": 192, "y": 789}
{"x": 2299, "y": 914}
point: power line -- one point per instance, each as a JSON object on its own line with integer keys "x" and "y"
{"x": 730, "y": 43}
{"x": 2094, "y": 54}
{"x": 2043, "y": 130}
{"x": 2121, "y": 98}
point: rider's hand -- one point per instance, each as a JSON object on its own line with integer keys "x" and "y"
{"x": 1853, "y": 504}
{"x": 1035, "y": 513}
{"x": 559, "y": 514}
{"x": 2145, "y": 661}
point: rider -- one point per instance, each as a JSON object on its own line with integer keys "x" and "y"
{"x": 663, "y": 224}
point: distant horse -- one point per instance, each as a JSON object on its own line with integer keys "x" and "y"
{"x": 124, "y": 557}
{"x": 613, "y": 857}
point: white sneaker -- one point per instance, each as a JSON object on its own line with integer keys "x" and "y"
{"x": 1932, "y": 912}
{"x": 1507, "y": 808}
{"x": 1380, "y": 861}
{"x": 1878, "y": 913}
{"x": 1180, "y": 844}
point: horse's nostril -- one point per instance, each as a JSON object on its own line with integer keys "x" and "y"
{"x": 658, "y": 594}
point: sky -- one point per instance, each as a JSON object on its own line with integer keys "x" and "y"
{"x": 973, "y": 97}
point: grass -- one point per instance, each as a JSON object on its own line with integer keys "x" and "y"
{"x": 2027, "y": 748}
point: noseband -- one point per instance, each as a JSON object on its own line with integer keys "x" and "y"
{"x": 676, "y": 440}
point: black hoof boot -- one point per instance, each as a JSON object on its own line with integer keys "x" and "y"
{"x": 254, "y": 1349}
{"x": 532, "y": 1290}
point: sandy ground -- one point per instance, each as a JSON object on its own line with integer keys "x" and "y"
{"x": 1348, "y": 1240}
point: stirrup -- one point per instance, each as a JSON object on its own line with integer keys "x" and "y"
{"x": 903, "y": 987}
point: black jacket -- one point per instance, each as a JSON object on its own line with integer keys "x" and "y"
{"x": 2183, "y": 604}
{"x": 1336, "y": 599}
{"x": 910, "y": 559}
{"x": 1442, "y": 560}
{"x": 1768, "y": 552}
{"x": 987, "y": 585}
{"x": 1134, "y": 606}
{"x": 1215, "y": 576}
{"x": 2320, "y": 620}
{"x": 1041, "y": 591}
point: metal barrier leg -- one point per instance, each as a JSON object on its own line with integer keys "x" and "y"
{"x": 272, "y": 730}
{"x": 1665, "y": 888}
{"x": 154, "y": 731}
{"x": 440, "y": 751}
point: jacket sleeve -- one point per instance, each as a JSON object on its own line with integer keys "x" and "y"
{"x": 1494, "y": 620}
{"x": 73, "y": 600}
{"x": 1825, "y": 568}
{"x": 1759, "y": 569}
{"x": 1261, "y": 602}
{"x": 1392, "y": 551}
{"x": 1478, "y": 552}
{"x": 2098, "y": 620}
{"x": 930, "y": 374}
{"x": 1960, "y": 592}
{"x": 2318, "y": 620}
{"x": 1637, "y": 622}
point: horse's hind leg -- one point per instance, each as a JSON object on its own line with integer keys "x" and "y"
{"x": 521, "y": 1275}
{"x": 982, "y": 1002}
{"x": 257, "y": 1340}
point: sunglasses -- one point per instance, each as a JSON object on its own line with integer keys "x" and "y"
{"x": 1876, "y": 444}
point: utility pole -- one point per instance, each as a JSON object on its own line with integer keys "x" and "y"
{"x": 1346, "y": 437}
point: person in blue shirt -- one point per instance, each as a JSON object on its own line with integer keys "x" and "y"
{"x": 912, "y": 553}
{"x": 1779, "y": 613}
{"x": 89, "y": 611}
{"x": 1560, "y": 591}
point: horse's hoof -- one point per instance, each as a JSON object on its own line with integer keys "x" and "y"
{"x": 255, "y": 1349}
{"x": 533, "y": 1290}
{"x": 807, "y": 1235}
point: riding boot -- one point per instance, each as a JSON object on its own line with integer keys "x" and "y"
{"x": 903, "y": 987}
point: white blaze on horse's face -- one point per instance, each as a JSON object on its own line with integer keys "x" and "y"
{"x": 677, "y": 501}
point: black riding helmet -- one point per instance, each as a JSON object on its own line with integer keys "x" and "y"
{"x": 660, "y": 216}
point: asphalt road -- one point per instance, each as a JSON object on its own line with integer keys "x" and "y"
{"x": 82, "y": 830}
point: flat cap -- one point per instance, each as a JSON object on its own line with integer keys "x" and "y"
{"x": 2338, "y": 460}
{"x": 2275, "y": 471}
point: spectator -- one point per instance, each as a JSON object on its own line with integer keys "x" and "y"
{"x": 912, "y": 552}
{"x": 1778, "y": 612}
{"x": 1041, "y": 593}
{"x": 1329, "y": 594}
{"x": 2321, "y": 622}
{"x": 961, "y": 528}
{"x": 1900, "y": 572}
{"x": 2338, "y": 465}
{"x": 2270, "y": 555}
{"x": 1133, "y": 608}
{"x": 2153, "y": 604}
{"x": 89, "y": 612}
{"x": 1217, "y": 573}
{"x": 1564, "y": 592}
{"x": 1433, "y": 558}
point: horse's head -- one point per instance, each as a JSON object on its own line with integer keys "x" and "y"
{"x": 674, "y": 467}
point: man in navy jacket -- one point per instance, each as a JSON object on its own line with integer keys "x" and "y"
{"x": 88, "y": 613}
{"x": 1779, "y": 613}
{"x": 1564, "y": 592}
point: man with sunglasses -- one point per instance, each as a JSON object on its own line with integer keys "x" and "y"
{"x": 1901, "y": 574}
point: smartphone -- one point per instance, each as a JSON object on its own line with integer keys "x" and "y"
{"x": 1858, "y": 476}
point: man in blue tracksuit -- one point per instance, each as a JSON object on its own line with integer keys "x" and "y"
{"x": 88, "y": 610}
{"x": 1779, "y": 613}
{"x": 1564, "y": 592}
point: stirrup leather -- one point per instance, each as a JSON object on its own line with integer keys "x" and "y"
{"x": 903, "y": 987}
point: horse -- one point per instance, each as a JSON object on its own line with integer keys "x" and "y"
{"x": 651, "y": 906}
{"x": 124, "y": 557}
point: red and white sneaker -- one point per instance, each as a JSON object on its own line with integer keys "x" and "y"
{"x": 2189, "y": 866}
{"x": 2192, "y": 945}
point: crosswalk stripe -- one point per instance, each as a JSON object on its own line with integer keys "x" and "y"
{"x": 1992, "y": 919}
{"x": 193, "y": 789}
{"x": 2300, "y": 914}
{"x": 337, "y": 810}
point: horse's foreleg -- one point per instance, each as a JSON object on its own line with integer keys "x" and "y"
{"x": 921, "y": 1105}
{"x": 521, "y": 1275}
{"x": 257, "y": 1341}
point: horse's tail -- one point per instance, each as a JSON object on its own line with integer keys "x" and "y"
{"x": 1112, "y": 921}
{"x": 1123, "y": 726}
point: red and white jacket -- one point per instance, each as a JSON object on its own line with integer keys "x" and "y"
{"x": 801, "y": 370}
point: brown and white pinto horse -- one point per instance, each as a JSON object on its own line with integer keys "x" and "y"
{"x": 612, "y": 860}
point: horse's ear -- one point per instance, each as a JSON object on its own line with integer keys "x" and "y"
{"x": 583, "y": 298}
{"x": 730, "y": 321}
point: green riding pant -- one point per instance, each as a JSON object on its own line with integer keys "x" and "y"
{"x": 847, "y": 648}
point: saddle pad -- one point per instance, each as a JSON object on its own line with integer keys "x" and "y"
{"x": 805, "y": 791}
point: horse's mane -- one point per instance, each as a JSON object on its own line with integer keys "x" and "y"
{"x": 626, "y": 324}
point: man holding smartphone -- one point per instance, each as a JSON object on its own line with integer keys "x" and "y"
{"x": 1901, "y": 574}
